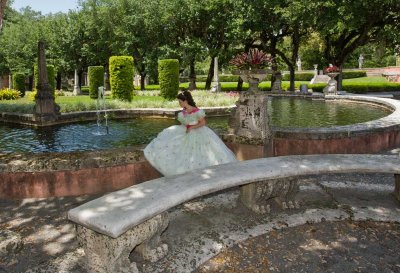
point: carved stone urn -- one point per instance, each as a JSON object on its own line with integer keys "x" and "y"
{"x": 331, "y": 88}
{"x": 253, "y": 77}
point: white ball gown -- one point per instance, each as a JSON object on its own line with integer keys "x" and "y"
{"x": 174, "y": 151}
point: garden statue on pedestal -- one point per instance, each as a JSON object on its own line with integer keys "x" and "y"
{"x": 332, "y": 71}
{"x": 249, "y": 124}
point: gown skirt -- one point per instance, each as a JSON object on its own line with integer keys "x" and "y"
{"x": 174, "y": 151}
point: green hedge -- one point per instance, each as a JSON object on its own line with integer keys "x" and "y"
{"x": 306, "y": 76}
{"x": 362, "y": 88}
{"x": 85, "y": 89}
{"x": 51, "y": 76}
{"x": 19, "y": 83}
{"x": 9, "y": 94}
{"x": 96, "y": 79}
{"x": 121, "y": 77}
{"x": 168, "y": 77}
{"x": 354, "y": 74}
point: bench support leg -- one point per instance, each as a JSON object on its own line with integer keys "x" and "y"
{"x": 397, "y": 186}
{"x": 260, "y": 196}
{"x": 105, "y": 254}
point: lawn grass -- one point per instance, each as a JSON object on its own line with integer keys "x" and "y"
{"x": 151, "y": 99}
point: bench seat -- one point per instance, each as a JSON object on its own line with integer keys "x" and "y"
{"x": 117, "y": 212}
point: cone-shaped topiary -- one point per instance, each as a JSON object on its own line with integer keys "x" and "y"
{"x": 121, "y": 77}
{"x": 19, "y": 83}
{"x": 95, "y": 74}
{"x": 168, "y": 76}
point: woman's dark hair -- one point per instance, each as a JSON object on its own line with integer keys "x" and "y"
{"x": 186, "y": 96}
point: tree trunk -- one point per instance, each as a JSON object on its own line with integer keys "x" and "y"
{"x": 240, "y": 84}
{"x": 292, "y": 78}
{"x": 192, "y": 75}
{"x": 58, "y": 81}
{"x": 340, "y": 78}
{"x": 80, "y": 78}
{"x": 210, "y": 74}
{"x": 3, "y": 4}
{"x": 142, "y": 81}
{"x": 30, "y": 83}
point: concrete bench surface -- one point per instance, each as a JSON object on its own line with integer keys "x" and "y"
{"x": 117, "y": 212}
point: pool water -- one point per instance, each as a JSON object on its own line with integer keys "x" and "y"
{"x": 284, "y": 112}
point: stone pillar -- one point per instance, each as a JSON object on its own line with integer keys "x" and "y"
{"x": 397, "y": 186}
{"x": 250, "y": 125}
{"x": 10, "y": 85}
{"x": 315, "y": 70}
{"x": 46, "y": 110}
{"x": 216, "y": 85}
{"x": 77, "y": 90}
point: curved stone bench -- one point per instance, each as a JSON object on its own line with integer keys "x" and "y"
{"x": 110, "y": 227}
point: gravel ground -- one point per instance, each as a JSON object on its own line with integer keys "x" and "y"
{"x": 324, "y": 247}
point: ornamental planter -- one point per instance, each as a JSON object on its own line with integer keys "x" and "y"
{"x": 253, "y": 77}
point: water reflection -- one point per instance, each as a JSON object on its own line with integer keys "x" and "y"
{"x": 284, "y": 112}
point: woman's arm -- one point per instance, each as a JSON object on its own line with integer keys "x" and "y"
{"x": 201, "y": 123}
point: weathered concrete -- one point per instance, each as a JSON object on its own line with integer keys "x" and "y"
{"x": 117, "y": 212}
{"x": 10, "y": 242}
{"x": 105, "y": 254}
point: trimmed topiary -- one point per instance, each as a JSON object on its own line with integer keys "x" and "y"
{"x": 121, "y": 77}
{"x": 168, "y": 76}
{"x": 19, "y": 83}
{"x": 51, "y": 76}
{"x": 95, "y": 74}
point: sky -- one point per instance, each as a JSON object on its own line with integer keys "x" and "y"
{"x": 46, "y": 6}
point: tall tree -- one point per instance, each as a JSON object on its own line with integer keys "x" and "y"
{"x": 347, "y": 25}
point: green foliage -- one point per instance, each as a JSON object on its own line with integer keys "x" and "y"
{"x": 121, "y": 77}
{"x": 353, "y": 74}
{"x": 360, "y": 87}
{"x": 299, "y": 76}
{"x": 85, "y": 89}
{"x": 51, "y": 76}
{"x": 168, "y": 77}
{"x": 9, "y": 94}
{"x": 19, "y": 82}
{"x": 96, "y": 79}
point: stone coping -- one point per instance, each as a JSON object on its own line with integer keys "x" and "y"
{"x": 115, "y": 213}
{"x": 388, "y": 123}
{"x": 31, "y": 162}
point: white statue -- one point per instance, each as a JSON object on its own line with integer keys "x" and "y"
{"x": 298, "y": 64}
{"x": 360, "y": 61}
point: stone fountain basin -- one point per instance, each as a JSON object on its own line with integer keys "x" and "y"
{"x": 78, "y": 173}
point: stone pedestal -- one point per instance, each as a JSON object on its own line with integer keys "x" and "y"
{"x": 249, "y": 123}
{"x": 46, "y": 110}
{"x": 331, "y": 88}
{"x": 77, "y": 90}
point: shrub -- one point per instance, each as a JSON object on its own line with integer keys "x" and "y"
{"x": 307, "y": 76}
{"x": 353, "y": 74}
{"x": 85, "y": 89}
{"x": 362, "y": 87}
{"x": 95, "y": 74}
{"x": 168, "y": 76}
{"x": 19, "y": 83}
{"x": 121, "y": 77}
{"x": 9, "y": 94}
{"x": 50, "y": 76}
